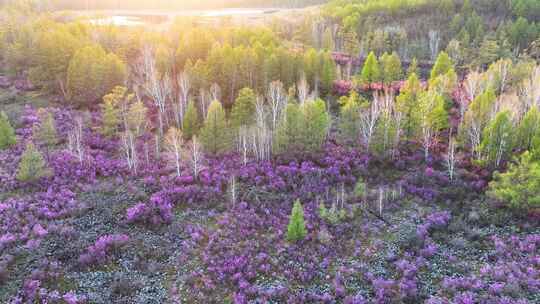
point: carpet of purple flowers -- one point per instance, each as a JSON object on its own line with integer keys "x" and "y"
{"x": 95, "y": 232}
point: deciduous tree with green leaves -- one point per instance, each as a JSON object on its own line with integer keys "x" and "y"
{"x": 497, "y": 139}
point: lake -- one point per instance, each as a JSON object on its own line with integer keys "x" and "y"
{"x": 142, "y": 18}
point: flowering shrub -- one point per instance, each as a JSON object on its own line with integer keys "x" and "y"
{"x": 102, "y": 248}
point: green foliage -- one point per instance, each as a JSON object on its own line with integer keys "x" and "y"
{"x": 32, "y": 166}
{"x": 529, "y": 9}
{"x": 360, "y": 188}
{"x": 52, "y": 52}
{"x": 316, "y": 123}
{"x": 7, "y": 133}
{"x": 519, "y": 187}
{"x": 527, "y": 129}
{"x": 243, "y": 111}
{"x": 93, "y": 73}
{"x": 191, "y": 123}
{"x": 370, "y": 71}
{"x": 407, "y": 105}
{"x": 391, "y": 68}
{"x": 479, "y": 111}
{"x": 328, "y": 73}
{"x": 110, "y": 112}
{"x": 215, "y": 134}
{"x": 334, "y": 215}
{"x": 289, "y": 131}
{"x": 442, "y": 65}
{"x": 521, "y": 33}
{"x": 349, "y": 123}
{"x": 45, "y": 133}
{"x": 497, "y": 139}
{"x": 296, "y": 230}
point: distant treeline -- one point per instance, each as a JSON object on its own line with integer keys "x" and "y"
{"x": 166, "y": 4}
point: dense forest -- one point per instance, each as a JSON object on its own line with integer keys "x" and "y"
{"x": 364, "y": 151}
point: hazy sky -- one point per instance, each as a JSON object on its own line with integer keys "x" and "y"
{"x": 176, "y": 4}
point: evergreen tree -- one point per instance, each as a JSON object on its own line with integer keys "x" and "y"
{"x": 296, "y": 230}
{"x": 110, "y": 113}
{"x": 93, "y": 73}
{"x": 349, "y": 124}
{"x": 391, "y": 68}
{"x": 442, "y": 65}
{"x": 289, "y": 131}
{"x": 413, "y": 67}
{"x": 328, "y": 73}
{"x": 243, "y": 111}
{"x": 528, "y": 127}
{"x": 215, "y": 135}
{"x": 497, "y": 138}
{"x": 45, "y": 133}
{"x": 519, "y": 187}
{"x": 32, "y": 166}
{"x": 191, "y": 123}
{"x": 370, "y": 71}
{"x": 7, "y": 133}
{"x": 316, "y": 123}
{"x": 407, "y": 105}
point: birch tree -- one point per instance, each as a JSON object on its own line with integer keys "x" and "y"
{"x": 277, "y": 98}
{"x": 184, "y": 84}
{"x": 369, "y": 116}
{"x": 173, "y": 143}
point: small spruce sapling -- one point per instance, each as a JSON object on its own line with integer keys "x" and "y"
{"x": 296, "y": 230}
{"x": 32, "y": 166}
{"x": 46, "y": 133}
{"x": 7, "y": 133}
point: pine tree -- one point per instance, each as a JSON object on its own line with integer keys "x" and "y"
{"x": 110, "y": 114}
{"x": 45, "y": 133}
{"x": 407, "y": 105}
{"x": 296, "y": 230}
{"x": 243, "y": 111}
{"x": 371, "y": 71}
{"x": 316, "y": 123}
{"x": 519, "y": 187}
{"x": 349, "y": 124}
{"x": 391, "y": 68}
{"x": 328, "y": 73}
{"x": 7, "y": 133}
{"x": 413, "y": 67}
{"x": 191, "y": 123}
{"x": 289, "y": 131}
{"x": 529, "y": 126}
{"x": 32, "y": 166}
{"x": 215, "y": 135}
{"x": 442, "y": 65}
{"x": 93, "y": 73}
